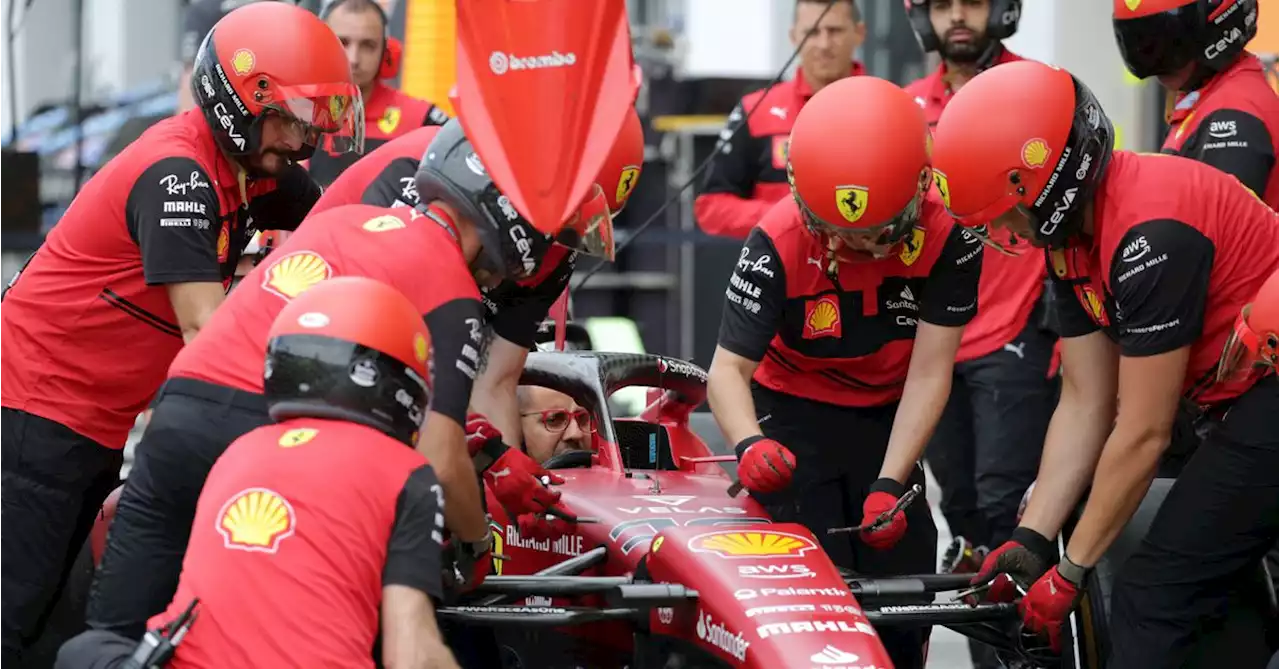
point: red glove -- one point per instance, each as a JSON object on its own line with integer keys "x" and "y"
{"x": 883, "y": 497}
{"x": 516, "y": 480}
{"x": 540, "y": 526}
{"x": 1047, "y": 605}
{"x": 764, "y": 465}
{"x": 1023, "y": 558}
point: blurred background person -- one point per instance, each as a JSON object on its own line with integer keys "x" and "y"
{"x": 749, "y": 174}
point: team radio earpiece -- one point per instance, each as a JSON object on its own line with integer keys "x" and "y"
{"x": 392, "y": 48}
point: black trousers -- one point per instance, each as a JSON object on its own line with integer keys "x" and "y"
{"x": 987, "y": 447}
{"x": 54, "y": 482}
{"x": 96, "y": 649}
{"x": 1218, "y": 521}
{"x": 192, "y": 425}
{"x": 839, "y": 451}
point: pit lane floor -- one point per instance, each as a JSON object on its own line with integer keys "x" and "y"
{"x": 947, "y": 649}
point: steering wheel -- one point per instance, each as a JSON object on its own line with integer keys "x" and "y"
{"x": 569, "y": 460}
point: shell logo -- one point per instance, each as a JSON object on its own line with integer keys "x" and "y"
{"x": 256, "y": 520}
{"x": 822, "y": 318}
{"x": 297, "y": 437}
{"x": 242, "y": 61}
{"x": 731, "y": 544}
{"x": 293, "y": 274}
{"x": 224, "y": 244}
{"x": 1132, "y": 5}
{"x": 1035, "y": 153}
{"x": 626, "y": 185}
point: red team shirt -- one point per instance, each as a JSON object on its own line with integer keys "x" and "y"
{"x": 299, "y": 527}
{"x": 88, "y": 328}
{"x": 1231, "y": 123}
{"x": 384, "y": 177}
{"x": 1178, "y": 249}
{"x": 411, "y": 251}
{"x": 845, "y": 342}
{"x": 749, "y": 175}
{"x": 388, "y": 114}
{"x": 1010, "y": 285}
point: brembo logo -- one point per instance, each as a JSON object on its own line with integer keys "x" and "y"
{"x": 500, "y": 63}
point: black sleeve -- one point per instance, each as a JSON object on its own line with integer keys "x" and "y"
{"x": 197, "y": 21}
{"x": 173, "y": 214}
{"x": 457, "y": 338}
{"x": 285, "y": 207}
{"x": 1160, "y": 282}
{"x": 951, "y": 291}
{"x": 1069, "y": 316}
{"x": 521, "y": 311}
{"x": 394, "y": 186}
{"x": 755, "y": 298}
{"x": 417, "y": 535}
{"x": 435, "y": 116}
{"x": 735, "y": 167}
{"x": 1237, "y": 143}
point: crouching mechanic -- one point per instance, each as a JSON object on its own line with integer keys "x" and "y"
{"x": 312, "y": 533}
{"x": 436, "y": 254}
{"x": 518, "y": 305}
{"x": 1152, "y": 258}
{"x": 135, "y": 268}
{"x": 840, "y": 330}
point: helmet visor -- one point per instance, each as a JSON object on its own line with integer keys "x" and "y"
{"x": 877, "y": 240}
{"x": 1245, "y": 351}
{"x": 1159, "y": 43}
{"x": 333, "y": 113}
{"x": 590, "y": 230}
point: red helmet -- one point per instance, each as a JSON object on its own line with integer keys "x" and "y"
{"x": 624, "y": 163}
{"x": 350, "y": 348}
{"x": 1162, "y": 36}
{"x": 1023, "y": 135}
{"x": 275, "y": 58}
{"x": 858, "y": 163}
{"x": 1257, "y": 333}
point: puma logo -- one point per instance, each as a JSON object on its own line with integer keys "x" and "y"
{"x": 505, "y": 471}
{"x": 816, "y": 262}
{"x": 1018, "y": 349}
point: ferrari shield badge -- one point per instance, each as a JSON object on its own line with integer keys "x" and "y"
{"x": 496, "y": 529}
{"x": 852, "y": 202}
{"x": 389, "y": 121}
{"x": 912, "y": 245}
{"x": 297, "y": 437}
{"x": 944, "y": 188}
{"x": 256, "y": 520}
{"x": 383, "y": 223}
{"x": 626, "y": 184}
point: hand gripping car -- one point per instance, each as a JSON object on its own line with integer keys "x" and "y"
{"x": 663, "y": 564}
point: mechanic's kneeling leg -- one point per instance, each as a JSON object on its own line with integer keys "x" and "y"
{"x": 96, "y": 649}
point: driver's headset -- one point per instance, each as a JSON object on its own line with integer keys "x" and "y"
{"x": 392, "y": 48}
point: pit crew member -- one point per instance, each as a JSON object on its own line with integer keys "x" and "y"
{"x": 1152, "y": 258}
{"x": 313, "y": 532}
{"x": 214, "y": 392}
{"x": 135, "y": 268}
{"x": 1222, "y": 110}
{"x": 840, "y": 331}
{"x": 749, "y": 175}
{"x": 198, "y": 19}
{"x": 375, "y": 56}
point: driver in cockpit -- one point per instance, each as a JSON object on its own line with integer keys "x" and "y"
{"x": 553, "y": 423}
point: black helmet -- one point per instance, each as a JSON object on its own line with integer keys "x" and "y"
{"x": 1002, "y": 23}
{"x": 451, "y": 172}
{"x": 353, "y": 349}
{"x": 1162, "y": 36}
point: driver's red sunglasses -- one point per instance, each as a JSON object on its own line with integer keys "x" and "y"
{"x": 557, "y": 420}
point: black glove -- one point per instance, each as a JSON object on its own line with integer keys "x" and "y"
{"x": 468, "y": 563}
{"x": 1023, "y": 558}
